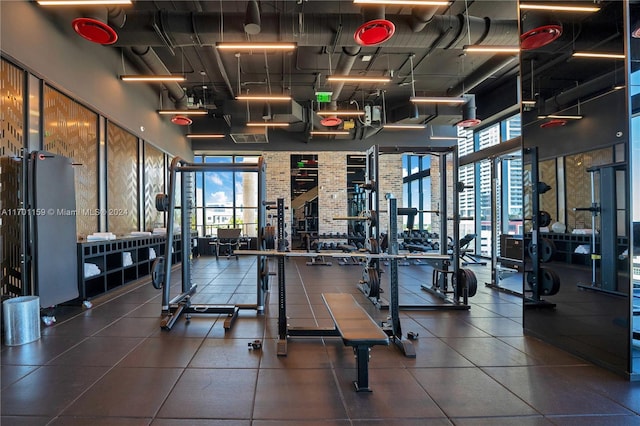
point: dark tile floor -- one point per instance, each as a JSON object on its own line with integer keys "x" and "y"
{"x": 113, "y": 365}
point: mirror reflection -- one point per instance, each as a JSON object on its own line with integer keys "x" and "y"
{"x": 304, "y": 199}
{"x": 575, "y": 179}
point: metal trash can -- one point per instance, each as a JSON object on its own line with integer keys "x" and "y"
{"x": 21, "y": 318}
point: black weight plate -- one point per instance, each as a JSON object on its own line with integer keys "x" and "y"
{"x": 530, "y": 280}
{"x": 157, "y": 273}
{"x": 162, "y": 202}
{"x": 550, "y": 282}
{"x": 472, "y": 282}
{"x": 371, "y": 277}
{"x": 544, "y": 219}
{"x": 546, "y": 250}
{"x": 269, "y": 237}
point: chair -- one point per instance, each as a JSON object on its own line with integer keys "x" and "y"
{"x": 228, "y": 241}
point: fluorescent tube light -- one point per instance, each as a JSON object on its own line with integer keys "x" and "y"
{"x": 338, "y": 112}
{"x": 404, "y": 2}
{"x": 529, "y": 102}
{"x": 183, "y": 111}
{"x": 263, "y": 98}
{"x": 267, "y": 124}
{"x": 350, "y": 79}
{"x": 404, "y": 126}
{"x": 559, "y": 7}
{"x": 83, "y": 2}
{"x": 205, "y": 136}
{"x": 152, "y": 78}
{"x": 329, "y": 132}
{"x": 256, "y": 46}
{"x": 444, "y": 138}
{"x": 565, "y": 116}
{"x": 599, "y": 55}
{"x": 473, "y": 48}
{"x": 437, "y": 100}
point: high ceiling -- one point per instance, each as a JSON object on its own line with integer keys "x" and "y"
{"x": 424, "y": 56}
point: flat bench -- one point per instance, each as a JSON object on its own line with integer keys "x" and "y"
{"x": 357, "y": 329}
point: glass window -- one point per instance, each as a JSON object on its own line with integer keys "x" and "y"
{"x": 489, "y": 136}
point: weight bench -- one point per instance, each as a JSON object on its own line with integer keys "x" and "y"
{"x": 357, "y": 329}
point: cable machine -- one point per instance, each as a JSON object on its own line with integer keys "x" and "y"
{"x": 605, "y": 176}
{"x": 463, "y": 281}
{"x": 172, "y": 309}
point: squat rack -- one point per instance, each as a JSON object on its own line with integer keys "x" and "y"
{"x": 161, "y": 268}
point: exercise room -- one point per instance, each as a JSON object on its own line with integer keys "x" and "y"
{"x": 343, "y": 212}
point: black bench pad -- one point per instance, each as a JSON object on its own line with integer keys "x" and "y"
{"x": 357, "y": 329}
{"x": 354, "y": 323}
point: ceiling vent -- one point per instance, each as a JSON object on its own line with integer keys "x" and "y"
{"x": 250, "y": 137}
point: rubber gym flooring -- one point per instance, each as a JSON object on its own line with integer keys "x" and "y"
{"x": 113, "y": 365}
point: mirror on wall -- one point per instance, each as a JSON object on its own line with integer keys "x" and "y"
{"x": 356, "y": 198}
{"x": 304, "y": 199}
{"x": 633, "y": 91}
{"x": 574, "y": 127}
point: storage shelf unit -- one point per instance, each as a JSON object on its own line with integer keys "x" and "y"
{"x": 566, "y": 244}
{"x": 116, "y": 268}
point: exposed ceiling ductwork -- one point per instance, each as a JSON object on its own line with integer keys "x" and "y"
{"x": 181, "y": 29}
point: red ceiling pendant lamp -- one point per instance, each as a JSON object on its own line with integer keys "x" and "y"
{"x": 93, "y": 27}
{"x": 331, "y": 121}
{"x": 538, "y": 30}
{"x": 181, "y": 120}
{"x": 556, "y": 122}
{"x": 376, "y": 29}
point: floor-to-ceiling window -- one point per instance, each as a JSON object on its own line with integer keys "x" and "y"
{"x": 417, "y": 189}
{"x": 226, "y": 199}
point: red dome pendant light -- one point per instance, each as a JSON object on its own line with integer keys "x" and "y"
{"x": 181, "y": 120}
{"x": 538, "y": 30}
{"x": 93, "y": 27}
{"x": 376, "y": 29}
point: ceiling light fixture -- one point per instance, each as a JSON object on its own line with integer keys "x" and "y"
{"x": 263, "y": 98}
{"x": 329, "y": 132}
{"x": 183, "y": 111}
{"x": 267, "y": 124}
{"x": 340, "y": 112}
{"x": 402, "y": 126}
{"x": 152, "y": 78}
{"x": 558, "y": 7}
{"x": 564, "y": 116}
{"x": 529, "y": 103}
{"x": 205, "y": 135}
{"x": 437, "y": 100}
{"x": 474, "y": 48}
{"x": 181, "y": 120}
{"x": 349, "y": 79}
{"x": 444, "y": 138}
{"x": 404, "y": 2}
{"x": 83, "y": 2}
{"x": 256, "y": 46}
{"x": 600, "y": 55}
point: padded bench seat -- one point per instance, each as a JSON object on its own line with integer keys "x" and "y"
{"x": 357, "y": 329}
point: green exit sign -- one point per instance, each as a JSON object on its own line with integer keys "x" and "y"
{"x": 323, "y": 97}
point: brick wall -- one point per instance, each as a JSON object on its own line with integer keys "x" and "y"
{"x": 332, "y": 183}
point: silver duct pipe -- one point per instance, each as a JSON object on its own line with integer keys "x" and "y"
{"x": 421, "y": 16}
{"x": 179, "y": 29}
{"x": 482, "y": 74}
{"x": 155, "y": 64}
{"x": 571, "y": 96}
